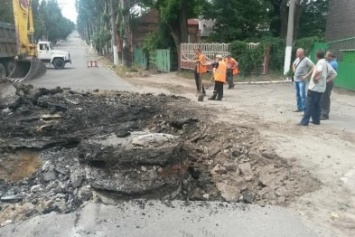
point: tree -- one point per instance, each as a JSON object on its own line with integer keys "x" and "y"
{"x": 314, "y": 19}
{"x": 236, "y": 19}
{"x": 174, "y": 14}
{"x": 309, "y": 19}
{"x": 48, "y": 20}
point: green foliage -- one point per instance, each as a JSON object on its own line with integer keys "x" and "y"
{"x": 250, "y": 60}
{"x": 160, "y": 39}
{"x": 174, "y": 14}
{"x": 94, "y": 22}
{"x": 150, "y": 42}
{"x": 101, "y": 38}
{"x": 50, "y": 23}
{"x": 314, "y": 19}
{"x": 306, "y": 43}
{"x": 277, "y": 52}
{"x": 236, "y": 19}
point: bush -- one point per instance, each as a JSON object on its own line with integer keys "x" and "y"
{"x": 306, "y": 44}
{"x": 277, "y": 52}
{"x": 250, "y": 60}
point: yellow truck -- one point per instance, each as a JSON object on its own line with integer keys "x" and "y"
{"x": 8, "y": 49}
{"x": 20, "y": 57}
{"x": 26, "y": 64}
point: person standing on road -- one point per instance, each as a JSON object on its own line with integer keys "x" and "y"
{"x": 232, "y": 69}
{"x": 302, "y": 68}
{"x": 200, "y": 69}
{"x": 219, "y": 74}
{"x": 330, "y": 84}
{"x": 321, "y": 74}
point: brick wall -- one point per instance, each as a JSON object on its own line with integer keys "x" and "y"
{"x": 340, "y": 20}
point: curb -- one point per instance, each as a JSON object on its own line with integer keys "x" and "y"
{"x": 262, "y": 82}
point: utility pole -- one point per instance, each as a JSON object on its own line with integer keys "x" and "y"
{"x": 289, "y": 39}
{"x": 114, "y": 32}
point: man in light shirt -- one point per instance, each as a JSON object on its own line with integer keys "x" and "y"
{"x": 317, "y": 85}
{"x": 302, "y": 67}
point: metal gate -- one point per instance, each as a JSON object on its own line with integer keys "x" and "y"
{"x": 163, "y": 60}
{"x": 140, "y": 58}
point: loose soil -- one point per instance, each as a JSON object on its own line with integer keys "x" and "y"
{"x": 326, "y": 151}
{"x": 42, "y": 129}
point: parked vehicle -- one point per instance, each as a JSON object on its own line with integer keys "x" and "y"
{"x": 20, "y": 57}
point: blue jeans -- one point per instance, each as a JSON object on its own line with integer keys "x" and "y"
{"x": 300, "y": 87}
{"x": 314, "y": 108}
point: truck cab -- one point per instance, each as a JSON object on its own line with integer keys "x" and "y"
{"x": 47, "y": 54}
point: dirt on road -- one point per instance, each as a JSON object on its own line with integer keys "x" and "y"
{"x": 326, "y": 151}
{"x": 60, "y": 148}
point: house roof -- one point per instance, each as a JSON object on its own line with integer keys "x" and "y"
{"x": 192, "y": 22}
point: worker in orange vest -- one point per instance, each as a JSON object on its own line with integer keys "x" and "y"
{"x": 232, "y": 69}
{"x": 219, "y": 75}
{"x": 200, "y": 69}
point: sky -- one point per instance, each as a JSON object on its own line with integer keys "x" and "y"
{"x": 68, "y": 9}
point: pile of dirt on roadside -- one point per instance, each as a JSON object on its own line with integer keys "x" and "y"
{"x": 58, "y": 146}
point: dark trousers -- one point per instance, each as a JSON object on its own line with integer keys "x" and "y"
{"x": 326, "y": 99}
{"x": 230, "y": 78}
{"x": 218, "y": 90}
{"x": 313, "y": 107}
{"x": 198, "y": 83}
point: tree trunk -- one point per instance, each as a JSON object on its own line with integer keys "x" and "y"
{"x": 183, "y": 21}
{"x": 127, "y": 57}
{"x": 298, "y": 13}
{"x": 283, "y": 18}
{"x": 114, "y": 32}
{"x": 177, "y": 42}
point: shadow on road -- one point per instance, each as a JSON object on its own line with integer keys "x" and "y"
{"x": 66, "y": 68}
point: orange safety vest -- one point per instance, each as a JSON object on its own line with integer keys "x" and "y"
{"x": 220, "y": 72}
{"x": 200, "y": 63}
{"x": 234, "y": 65}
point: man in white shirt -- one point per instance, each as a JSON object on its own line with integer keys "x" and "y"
{"x": 317, "y": 85}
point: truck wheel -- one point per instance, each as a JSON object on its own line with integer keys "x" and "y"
{"x": 10, "y": 67}
{"x": 2, "y": 71}
{"x": 58, "y": 63}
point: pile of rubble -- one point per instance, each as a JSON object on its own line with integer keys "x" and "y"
{"x": 60, "y": 148}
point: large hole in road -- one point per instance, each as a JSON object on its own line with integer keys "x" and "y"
{"x": 127, "y": 145}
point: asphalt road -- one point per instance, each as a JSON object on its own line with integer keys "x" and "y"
{"x": 155, "y": 219}
{"x": 77, "y": 75}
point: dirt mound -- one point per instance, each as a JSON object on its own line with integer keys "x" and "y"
{"x": 86, "y": 142}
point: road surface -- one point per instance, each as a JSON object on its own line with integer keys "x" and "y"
{"x": 156, "y": 218}
{"x": 77, "y": 75}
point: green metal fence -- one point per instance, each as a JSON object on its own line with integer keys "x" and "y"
{"x": 345, "y": 52}
{"x": 140, "y": 58}
{"x": 163, "y": 60}
{"x": 346, "y": 72}
{"x": 160, "y": 59}
{"x": 317, "y": 46}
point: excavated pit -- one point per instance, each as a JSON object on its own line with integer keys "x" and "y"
{"x": 67, "y": 146}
